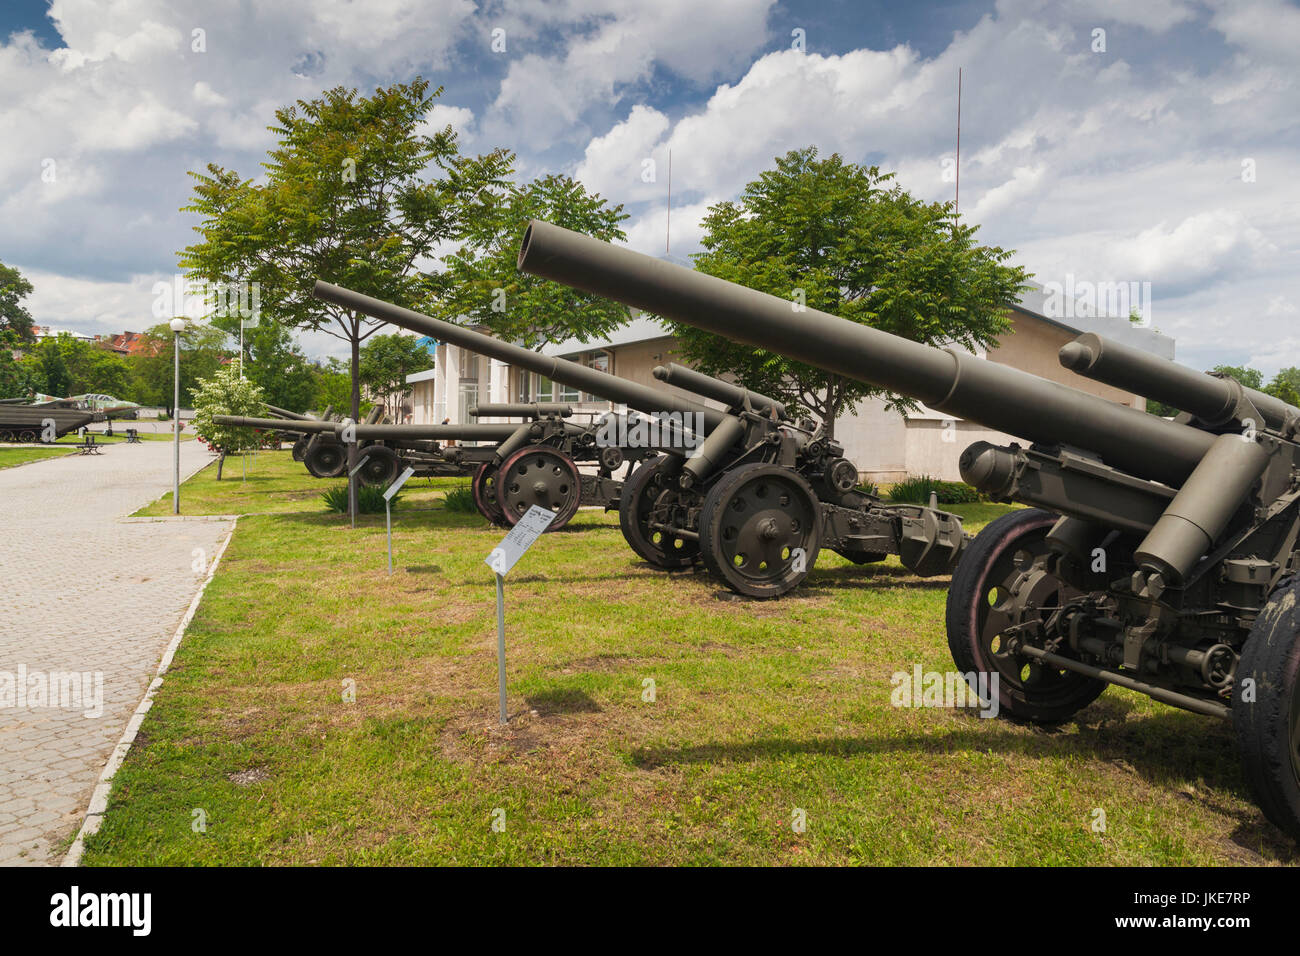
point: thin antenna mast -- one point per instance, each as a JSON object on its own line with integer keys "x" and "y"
{"x": 956, "y": 205}
{"x": 668, "y": 220}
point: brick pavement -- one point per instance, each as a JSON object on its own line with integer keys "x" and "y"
{"x": 83, "y": 592}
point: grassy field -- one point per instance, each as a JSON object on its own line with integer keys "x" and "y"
{"x": 321, "y": 711}
{"x": 20, "y": 456}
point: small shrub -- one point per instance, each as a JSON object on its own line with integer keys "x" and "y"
{"x": 461, "y": 499}
{"x": 916, "y": 490}
{"x": 370, "y": 500}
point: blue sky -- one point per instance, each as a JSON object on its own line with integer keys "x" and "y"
{"x": 1166, "y": 156}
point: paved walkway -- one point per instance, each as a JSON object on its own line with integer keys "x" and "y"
{"x": 93, "y": 597}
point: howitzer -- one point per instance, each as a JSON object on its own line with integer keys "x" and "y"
{"x": 752, "y": 494}
{"x": 1160, "y": 555}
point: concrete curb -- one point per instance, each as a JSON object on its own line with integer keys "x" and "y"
{"x": 99, "y": 799}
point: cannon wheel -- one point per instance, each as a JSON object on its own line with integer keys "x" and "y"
{"x": 381, "y": 468}
{"x": 981, "y": 605}
{"x": 753, "y": 524}
{"x": 645, "y": 488}
{"x": 326, "y": 460}
{"x": 484, "y": 488}
{"x": 1268, "y": 725}
{"x": 540, "y": 476}
{"x": 299, "y": 448}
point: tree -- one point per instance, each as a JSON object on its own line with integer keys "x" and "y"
{"x": 277, "y": 366}
{"x": 1286, "y": 386}
{"x": 838, "y": 237}
{"x": 202, "y": 353}
{"x": 348, "y": 199}
{"x": 332, "y": 386}
{"x": 1248, "y": 377}
{"x": 483, "y": 285}
{"x": 386, "y": 361}
{"x": 226, "y": 393}
{"x": 15, "y": 320}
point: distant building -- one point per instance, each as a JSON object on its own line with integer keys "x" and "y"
{"x": 885, "y": 445}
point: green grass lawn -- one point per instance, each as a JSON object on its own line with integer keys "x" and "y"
{"x": 761, "y": 711}
{"x": 275, "y": 483}
{"x": 20, "y": 456}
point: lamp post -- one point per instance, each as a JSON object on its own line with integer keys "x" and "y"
{"x": 178, "y": 326}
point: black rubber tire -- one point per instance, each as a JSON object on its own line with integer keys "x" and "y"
{"x": 716, "y": 510}
{"x": 632, "y": 503}
{"x": 1268, "y": 727}
{"x": 549, "y": 460}
{"x": 381, "y": 468}
{"x": 326, "y": 460}
{"x": 1047, "y": 696}
{"x": 299, "y": 449}
{"x": 483, "y": 488}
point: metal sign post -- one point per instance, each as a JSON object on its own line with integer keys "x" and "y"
{"x": 352, "y": 487}
{"x": 393, "y": 489}
{"x": 504, "y": 557}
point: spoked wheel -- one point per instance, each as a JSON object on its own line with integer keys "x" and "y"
{"x": 326, "y": 460}
{"x": 993, "y": 584}
{"x": 381, "y": 468}
{"x": 27, "y": 436}
{"x": 539, "y": 476}
{"x": 484, "y": 487}
{"x": 760, "y": 530}
{"x": 1266, "y": 709}
{"x": 651, "y": 497}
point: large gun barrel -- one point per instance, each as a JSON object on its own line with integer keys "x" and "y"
{"x": 947, "y": 380}
{"x": 733, "y": 396}
{"x": 400, "y": 433}
{"x": 1211, "y": 399}
{"x": 522, "y": 410}
{"x": 285, "y": 413}
{"x": 643, "y": 398}
{"x": 298, "y": 426}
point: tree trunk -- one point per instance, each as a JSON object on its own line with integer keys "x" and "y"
{"x": 221, "y": 460}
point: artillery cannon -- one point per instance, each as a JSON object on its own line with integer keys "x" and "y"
{"x": 745, "y": 489}
{"x": 1157, "y": 555}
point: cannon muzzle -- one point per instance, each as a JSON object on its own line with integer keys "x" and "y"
{"x": 947, "y": 380}
{"x": 643, "y": 398}
{"x": 285, "y": 413}
{"x": 1214, "y": 401}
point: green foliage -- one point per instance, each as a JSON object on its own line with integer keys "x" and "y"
{"x": 1286, "y": 386}
{"x": 370, "y": 500}
{"x": 482, "y": 283}
{"x": 855, "y": 246}
{"x": 226, "y": 393}
{"x": 386, "y": 360}
{"x": 916, "y": 490}
{"x": 460, "y": 499}
{"x": 332, "y": 385}
{"x": 202, "y": 351}
{"x": 1249, "y": 377}
{"x": 356, "y": 193}
{"x": 15, "y": 320}
{"x": 278, "y": 367}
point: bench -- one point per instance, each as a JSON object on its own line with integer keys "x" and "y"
{"x": 88, "y": 446}
{"x": 133, "y": 436}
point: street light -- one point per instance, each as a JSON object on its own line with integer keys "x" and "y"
{"x": 178, "y": 326}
